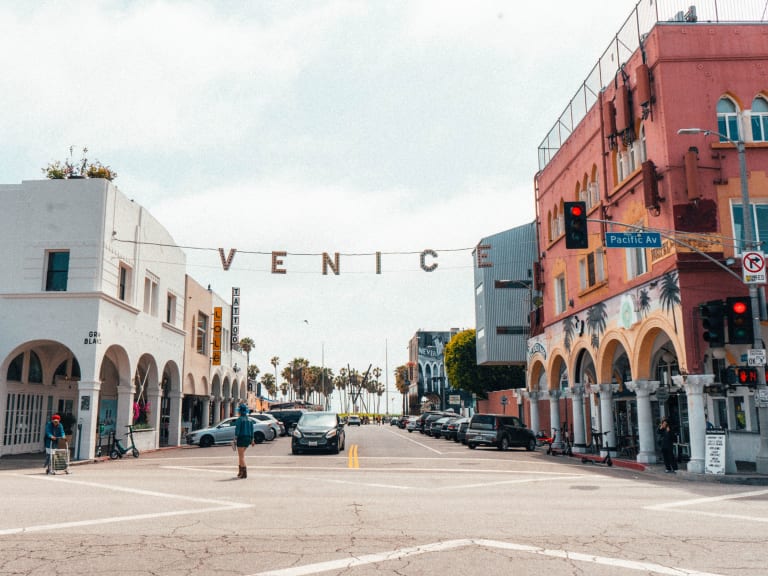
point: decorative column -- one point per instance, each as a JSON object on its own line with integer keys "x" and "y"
{"x": 533, "y": 397}
{"x": 206, "y": 412}
{"x": 216, "y": 411}
{"x": 87, "y": 419}
{"x": 125, "y": 394}
{"x": 554, "y": 416}
{"x": 646, "y": 430}
{"x": 154, "y": 395}
{"x": 606, "y": 417}
{"x": 174, "y": 420}
{"x": 579, "y": 439}
{"x": 697, "y": 424}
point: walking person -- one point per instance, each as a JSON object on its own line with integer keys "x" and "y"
{"x": 53, "y": 431}
{"x": 667, "y": 442}
{"x": 243, "y": 438}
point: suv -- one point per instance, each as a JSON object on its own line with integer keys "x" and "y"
{"x": 499, "y": 431}
{"x": 289, "y": 418}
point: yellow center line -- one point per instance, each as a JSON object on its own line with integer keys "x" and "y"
{"x": 352, "y": 461}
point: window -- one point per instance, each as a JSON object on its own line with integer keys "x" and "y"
{"x": 727, "y": 119}
{"x": 57, "y": 271}
{"x": 636, "y": 260}
{"x": 560, "y": 294}
{"x": 124, "y": 283}
{"x": 150, "y": 294}
{"x": 15, "y": 369}
{"x": 592, "y": 269}
{"x": 170, "y": 309}
{"x": 759, "y": 223}
{"x": 760, "y": 120}
{"x": 35, "y": 369}
{"x": 739, "y": 414}
{"x": 201, "y": 333}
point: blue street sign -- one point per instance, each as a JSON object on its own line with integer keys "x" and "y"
{"x": 632, "y": 240}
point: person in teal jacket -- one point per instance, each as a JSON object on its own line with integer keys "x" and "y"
{"x": 53, "y": 431}
{"x": 243, "y": 438}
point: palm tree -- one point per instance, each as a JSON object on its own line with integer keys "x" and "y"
{"x": 275, "y": 361}
{"x": 669, "y": 294}
{"x": 596, "y": 323}
{"x": 269, "y": 383}
{"x": 246, "y": 345}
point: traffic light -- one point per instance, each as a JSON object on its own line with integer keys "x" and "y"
{"x": 739, "y": 320}
{"x": 712, "y": 319}
{"x": 576, "y": 225}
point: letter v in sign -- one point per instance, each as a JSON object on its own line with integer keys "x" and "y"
{"x": 227, "y": 262}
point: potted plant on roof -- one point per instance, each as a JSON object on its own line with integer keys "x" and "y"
{"x": 81, "y": 169}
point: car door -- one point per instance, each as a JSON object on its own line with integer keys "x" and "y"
{"x": 518, "y": 435}
{"x": 225, "y": 431}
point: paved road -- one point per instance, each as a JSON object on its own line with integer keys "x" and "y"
{"x": 392, "y": 503}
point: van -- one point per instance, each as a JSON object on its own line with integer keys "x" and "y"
{"x": 289, "y": 418}
{"x": 500, "y": 431}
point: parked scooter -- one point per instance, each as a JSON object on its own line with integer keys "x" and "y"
{"x": 118, "y": 450}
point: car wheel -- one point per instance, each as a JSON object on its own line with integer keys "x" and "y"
{"x": 295, "y": 451}
{"x": 336, "y": 449}
{"x": 409, "y": 431}
{"x": 206, "y": 441}
{"x": 258, "y": 437}
{"x": 472, "y": 445}
{"x": 531, "y": 445}
{"x": 273, "y": 434}
{"x": 504, "y": 443}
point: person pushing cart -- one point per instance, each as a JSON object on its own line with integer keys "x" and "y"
{"x": 53, "y": 431}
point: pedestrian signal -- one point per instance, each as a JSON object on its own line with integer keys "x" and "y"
{"x": 576, "y": 225}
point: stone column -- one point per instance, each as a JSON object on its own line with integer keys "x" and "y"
{"x": 87, "y": 419}
{"x": 579, "y": 439}
{"x": 697, "y": 424}
{"x": 216, "y": 411}
{"x": 125, "y": 394}
{"x": 554, "y": 417}
{"x": 533, "y": 397}
{"x": 606, "y": 417}
{"x": 174, "y": 420}
{"x": 646, "y": 430}
{"x": 206, "y": 412}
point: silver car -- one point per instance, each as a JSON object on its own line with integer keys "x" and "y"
{"x": 224, "y": 433}
{"x": 273, "y": 422}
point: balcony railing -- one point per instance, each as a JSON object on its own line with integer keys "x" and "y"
{"x": 645, "y": 15}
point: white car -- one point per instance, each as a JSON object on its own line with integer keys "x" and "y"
{"x": 224, "y": 433}
{"x": 273, "y": 422}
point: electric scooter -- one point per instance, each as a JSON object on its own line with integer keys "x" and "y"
{"x": 118, "y": 450}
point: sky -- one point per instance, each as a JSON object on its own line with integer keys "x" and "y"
{"x": 308, "y": 127}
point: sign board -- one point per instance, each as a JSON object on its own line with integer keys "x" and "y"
{"x": 454, "y": 399}
{"x": 753, "y": 267}
{"x": 632, "y": 240}
{"x": 504, "y": 400}
{"x": 714, "y": 461}
{"x": 762, "y": 397}
{"x": 216, "y": 350}
{"x": 756, "y": 357}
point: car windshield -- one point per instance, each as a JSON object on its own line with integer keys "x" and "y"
{"x": 318, "y": 419}
{"x": 483, "y": 422}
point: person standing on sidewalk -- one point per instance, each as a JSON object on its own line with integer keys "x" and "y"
{"x": 53, "y": 431}
{"x": 667, "y": 443}
{"x": 243, "y": 438}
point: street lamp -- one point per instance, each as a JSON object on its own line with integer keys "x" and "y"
{"x": 749, "y": 244}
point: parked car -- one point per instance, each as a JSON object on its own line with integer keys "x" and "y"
{"x": 224, "y": 433}
{"x": 273, "y": 422}
{"x": 439, "y": 425}
{"x": 500, "y": 431}
{"x": 414, "y": 424}
{"x": 394, "y": 421}
{"x": 353, "y": 420}
{"x": 461, "y": 432}
{"x": 318, "y": 431}
{"x": 289, "y": 418}
{"x": 428, "y": 421}
{"x": 451, "y": 428}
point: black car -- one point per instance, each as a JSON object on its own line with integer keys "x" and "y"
{"x": 461, "y": 432}
{"x": 323, "y": 431}
{"x": 450, "y": 430}
{"x": 289, "y": 418}
{"x": 500, "y": 431}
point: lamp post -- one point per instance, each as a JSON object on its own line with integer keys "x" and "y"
{"x": 749, "y": 244}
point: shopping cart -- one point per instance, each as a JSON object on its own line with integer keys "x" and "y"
{"x": 59, "y": 460}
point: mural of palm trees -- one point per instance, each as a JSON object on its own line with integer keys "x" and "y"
{"x": 669, "y": 294}
{"x": 596, "y": 323}
{"x": 570, "y": 329}
{"x": 643, "y": 302}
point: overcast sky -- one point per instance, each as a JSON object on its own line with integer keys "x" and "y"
{"x": 308, "y": 127}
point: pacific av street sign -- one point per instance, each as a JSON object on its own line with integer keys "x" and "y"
{"x": 632, "y": 240}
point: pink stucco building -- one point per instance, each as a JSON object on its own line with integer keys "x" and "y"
{"x": 622, "y": 343}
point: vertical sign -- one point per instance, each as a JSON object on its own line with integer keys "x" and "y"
{"x": 235, "y": 315}
{"x": 216, "y": 357}
{"x": 714, "y": 461}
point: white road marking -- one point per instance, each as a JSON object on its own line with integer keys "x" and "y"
{"x": 417, "y": 443}
{"x": 217, "y": 506}
{"x": 678, "y": 505}
{"x": 345, "y": 563}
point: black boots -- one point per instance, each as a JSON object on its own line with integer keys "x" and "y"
{"x": 242, "y": 472}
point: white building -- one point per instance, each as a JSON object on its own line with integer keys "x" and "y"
{"x": 91, "y": 315}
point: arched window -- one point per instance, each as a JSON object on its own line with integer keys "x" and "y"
{"x": 15, "y": 369}
{"x": 727, "y": 119}
{"x": 550, "y": 232}
{"x": 35, "y": 369}
{"x": 760, "y": 119}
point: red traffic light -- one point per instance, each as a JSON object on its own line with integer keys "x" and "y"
{"x": 576, "y": 210}
{"x": 739, "y": 307}
{"x": 746, "y": 375}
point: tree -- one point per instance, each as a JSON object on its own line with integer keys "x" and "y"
{"x": 463, "y": 372}
{"x": 269, "y": 384}
{"x": 246, "y": 345}
{"x": 275, "y": 361}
